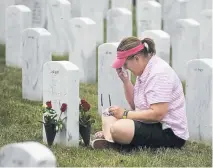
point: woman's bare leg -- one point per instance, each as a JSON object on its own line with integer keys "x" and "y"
{"x": 107, "y": 122}
{"x": 122, "y": 131}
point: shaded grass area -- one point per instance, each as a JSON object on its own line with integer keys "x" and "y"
{"x": 19, "y": 122}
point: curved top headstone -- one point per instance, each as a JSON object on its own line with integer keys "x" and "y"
{"x": 107, "y": 45}
{"x": 153, "y": 3}
{"x": 26, "y": 154}
{"x": 65, "y": 64}
{"x": 207, "y": 12}
{"x": 39, "y": 31}
{"x": 190, "y": 22}
{"x": 22, "y": 8}
{"x": 118, "y": 11}
{"x": 159, "y": 33}
{"x": 201, "y": 62}
{"x": 82, "y": 20}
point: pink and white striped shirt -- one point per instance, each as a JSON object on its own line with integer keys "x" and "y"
{"x": 159, "y": 83}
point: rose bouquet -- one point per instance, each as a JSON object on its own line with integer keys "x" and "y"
{"x": 85, "y": 121}
{"x": 52, "y": 122}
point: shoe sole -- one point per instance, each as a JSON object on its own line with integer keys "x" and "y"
{"x": 100, "y": 144}
{"x": 104, "y": 144}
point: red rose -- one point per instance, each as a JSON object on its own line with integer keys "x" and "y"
{"x": 85, "y": 105}
{"x": 63, "y": 107}
{"x": 49, "y": 104}
{"x": 83, "y": 101}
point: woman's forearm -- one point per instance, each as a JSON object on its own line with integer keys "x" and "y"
{"x": 146, "y": 115}
{"x": 129, "y": 93}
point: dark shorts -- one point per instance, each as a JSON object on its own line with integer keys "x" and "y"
{"x": 153, "y": 136}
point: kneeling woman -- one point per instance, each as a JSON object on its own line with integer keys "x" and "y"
{"x": 157, "y": 117}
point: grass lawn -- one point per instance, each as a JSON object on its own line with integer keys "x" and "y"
{"x": 19, "y": 122}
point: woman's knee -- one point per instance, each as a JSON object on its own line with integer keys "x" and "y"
{"x": 122, "y": 131}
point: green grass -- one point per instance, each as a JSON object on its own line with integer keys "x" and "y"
{"x": 19, "y": 122}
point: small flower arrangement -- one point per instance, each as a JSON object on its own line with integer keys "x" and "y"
{"x": 85, "y": 118}
{"x": 85, "y": 121}
{"x": 50, "y": 116}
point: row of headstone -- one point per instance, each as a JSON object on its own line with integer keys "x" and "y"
{"x": 18, "y": 19}
{"x": 191, "y": 40}
{"x": 148, "y": 14}
{"x": 85, "y": 9}
{"x": 182, "y": 9}
{"x": 81, "y": 28}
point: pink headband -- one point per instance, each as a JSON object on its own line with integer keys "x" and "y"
{"x": 125, "y": 54}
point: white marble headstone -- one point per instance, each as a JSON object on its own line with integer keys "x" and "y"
{"x": 106, "y": 7}
{"x": 58, "y": 14}
{"x": 83, "y": 47}
{"x": 36, "y": 51}
{"x": 199, "y": 99}
{"x": 18, "y": 18}
{"x": 3, "y": 6}
{"x": 75, "y": 8}
{"x": 94, "y": 9}
{"x": 122, "y": 4}
{"x": 207, "y": 4}
{"x": 38, "y": 8}
{"x": 27, "y": 154}
{"x": 206, "y": 33}
{"x": 119, "y": 24}
{"x": 108, "y": 81}
{"x": 172, "y": 11}
{"x": 194, "y": 8}
{"x": 162, "y": 42}
{"x": 148, "y": 16}
{"x": 185, "y": 45}
{"x": 61, "y": 85}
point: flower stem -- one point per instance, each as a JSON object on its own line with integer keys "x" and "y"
{"x": 41, "y": 122}
{"x": 60, "y": 116}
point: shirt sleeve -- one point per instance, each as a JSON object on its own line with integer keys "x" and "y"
{"x": 159, "y": 88}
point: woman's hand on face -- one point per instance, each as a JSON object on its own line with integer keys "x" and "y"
{"x": 116, "y": 111}
{"x": 124, "y": 76}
